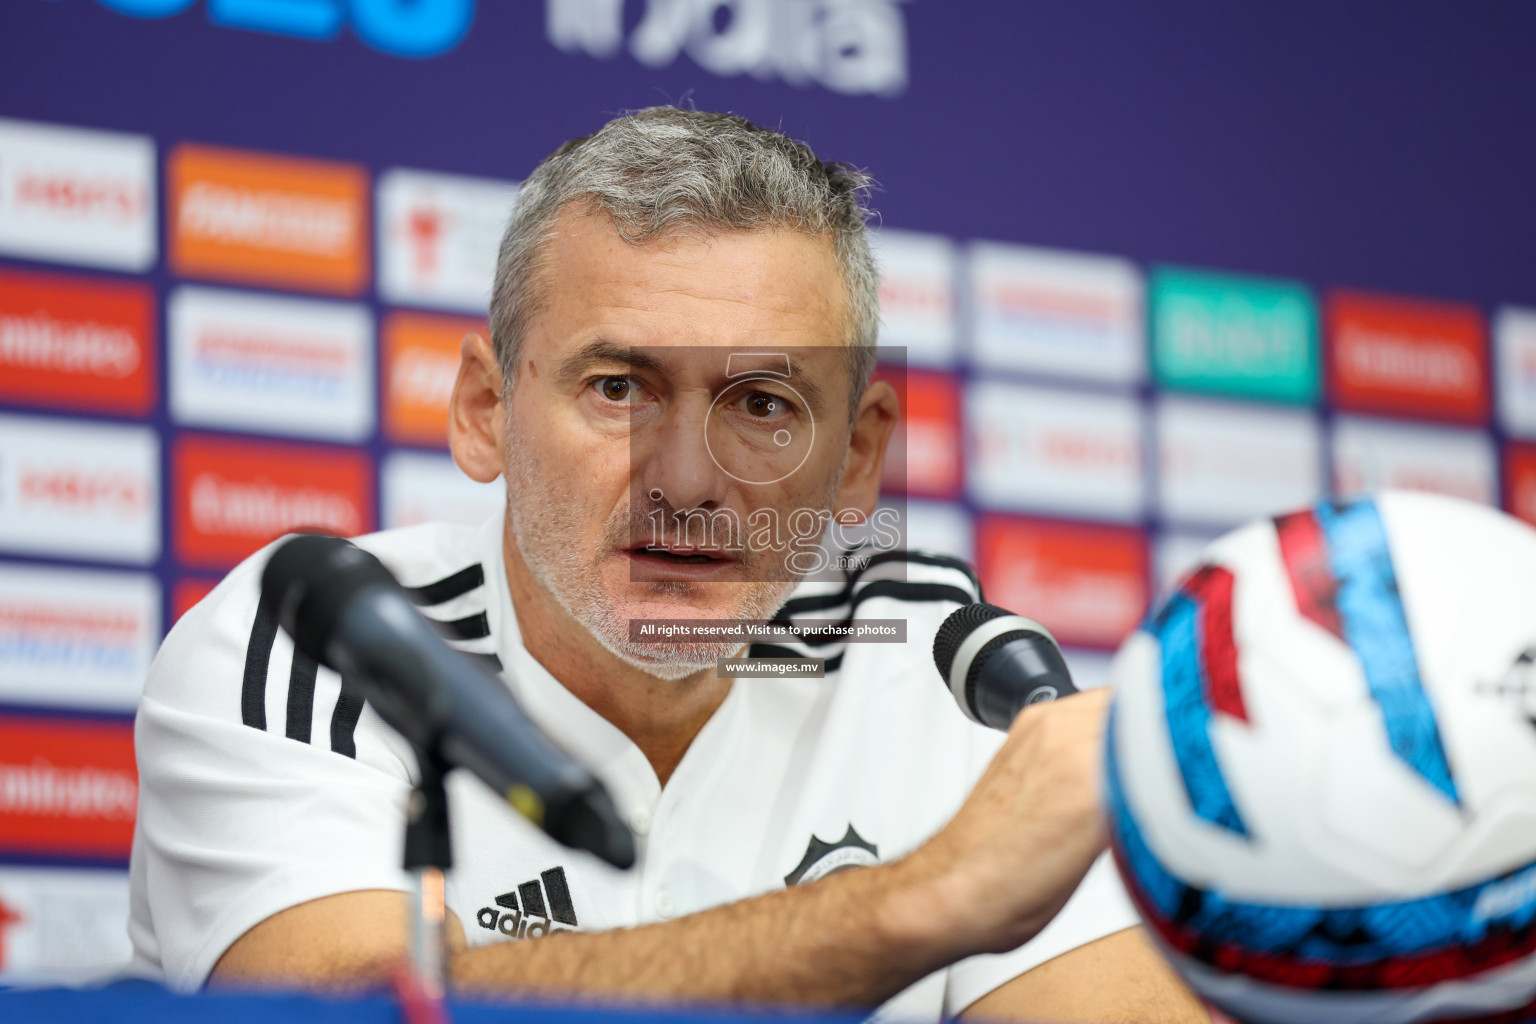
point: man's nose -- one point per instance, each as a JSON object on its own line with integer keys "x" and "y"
{"x": 675, "y": 459}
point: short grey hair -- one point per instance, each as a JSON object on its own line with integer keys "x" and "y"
{"x": 663, "y": 171}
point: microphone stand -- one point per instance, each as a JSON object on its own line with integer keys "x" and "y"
{"x": 428, "y": 856}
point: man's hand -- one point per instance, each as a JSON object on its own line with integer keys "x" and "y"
{"x": 1001, "y": 870}
{"x": 1025, "y": 837}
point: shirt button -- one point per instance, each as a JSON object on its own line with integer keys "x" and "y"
{"x": 640, "y": 822}
{"x": 664, "y": 905}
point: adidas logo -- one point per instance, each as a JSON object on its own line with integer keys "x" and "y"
{"x": 532, "y": 910}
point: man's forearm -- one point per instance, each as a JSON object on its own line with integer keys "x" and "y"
{"x": 847, "y": 940}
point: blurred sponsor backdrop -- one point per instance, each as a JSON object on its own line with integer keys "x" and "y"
{"x": 1158, "y": 269}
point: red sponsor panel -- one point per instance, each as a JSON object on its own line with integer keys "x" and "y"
{"x": 1085, "y": 582}
{"x": 68, "y": 788}
{"x": 924, "y": 456}
{"x": 77, "y": 343}
{"x": 1408, "y": 356}
{"x": 231, "y": 497}
{"x": 1520, "y": 481}
{"x": 187, "y": 593}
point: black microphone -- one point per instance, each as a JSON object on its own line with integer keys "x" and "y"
{"x": 996, "y": 663}
{"x": 346, "y": 611}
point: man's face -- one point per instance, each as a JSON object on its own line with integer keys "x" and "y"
{"x": 701, "y": 375}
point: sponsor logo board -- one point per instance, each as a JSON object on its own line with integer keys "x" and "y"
{"x": 81, "y": 490}
{"x": 924, "y": 453}
{"x": 438, "y": 238}
{"x": 1090, "y": 669}
{"x": 259, "y": 218}
{"x": 232, "y": 497}
{"x": 272, "y": 365}
{"x": 187, "y": 592}
{"x": 61, "y": 926}
{"x": 1514, "y": 335}
{"x": 76, "y": 637}
{"x": 939, "y": 526}
{"x": 917, "y": 294}
{"x": 1227, "y": 334}
{"x": 72, "y": 195}
{"x": 1058, "y": 313}
{"x": 77, "y": 343}
{"x": 1371, "y": 455}
{"x": 1088, "y": 582}
{"x": 1175, "y": 555}
{"x": 68, "y": 787}
{"x": 418, "y": 488}
{"x": 1223, "y": 463}
{"x": 1407, "y": 356}
{"x": 1520, "y": 481}
{"x": 421, "y": 361}
{"x": 1055, "y": 450}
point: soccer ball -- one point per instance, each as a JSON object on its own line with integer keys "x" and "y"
{"x": 1321, "y": 767}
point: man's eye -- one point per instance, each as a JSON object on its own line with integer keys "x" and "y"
{"x": 616, "y": 389}
{"x": 762, "y": 405}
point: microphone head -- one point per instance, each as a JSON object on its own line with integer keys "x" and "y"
{"x": 310, "y": 579}
{"x": 971, "y": 636}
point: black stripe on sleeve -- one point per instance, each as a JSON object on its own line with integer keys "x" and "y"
{"x": 449, "y": 587}
{"x": 258, "y": 654}
{"x": 471, "y": 627}
{"x": 349, "y": 708}
{"x": 301, "y": 696}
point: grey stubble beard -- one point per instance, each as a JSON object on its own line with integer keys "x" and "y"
{"x": 543, "y": 527}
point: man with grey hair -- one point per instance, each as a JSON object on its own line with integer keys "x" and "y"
{"x": 683, "y": 326}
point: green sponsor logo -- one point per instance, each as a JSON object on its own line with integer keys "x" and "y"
{"x": 1233, "y": 335}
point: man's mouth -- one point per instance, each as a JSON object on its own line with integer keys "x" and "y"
{"x": 680, "y": 555}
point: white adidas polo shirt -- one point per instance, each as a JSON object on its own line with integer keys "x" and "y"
{"x": 263, "y": 785}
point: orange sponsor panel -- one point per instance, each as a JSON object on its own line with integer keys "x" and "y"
{"x": 77, "y": 343}
{"x": 1520, "y": 481}
{"x": 1408, "y": 356}
{"x": 421, "y": 361}
{"x": 263, "y": 219}
{"x": 68, "y": 787}
{"x": 1085, "y": 582}
{"x": 232, "y": 497}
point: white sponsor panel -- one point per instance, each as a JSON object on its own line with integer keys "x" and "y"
{"x": 1514, "y": 333}
{"x": 1223, "y": 463}
{"x": 418, "y": 488}
{"x": 1060, "y": 313}
{"x": 301, "y": 367}
{"x": 1373, "y": 454}
{"x": 438, "y": 236}
{"x": 62, "y": 925}
{"x": 1090, "y": 669}
{"x": 1174, "y": 555}
{"x": 76, "y": 637}
{"x": 77, "y": 489}
{"x": 1053, "y": 450}
{"x": 941, "y": 527}
{"x": 917, "y": 294}
{"x": 72, "y": 195}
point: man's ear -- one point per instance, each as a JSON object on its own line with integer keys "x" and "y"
{"x": 476, "y": 419}
{"x": 864, "y": 464}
